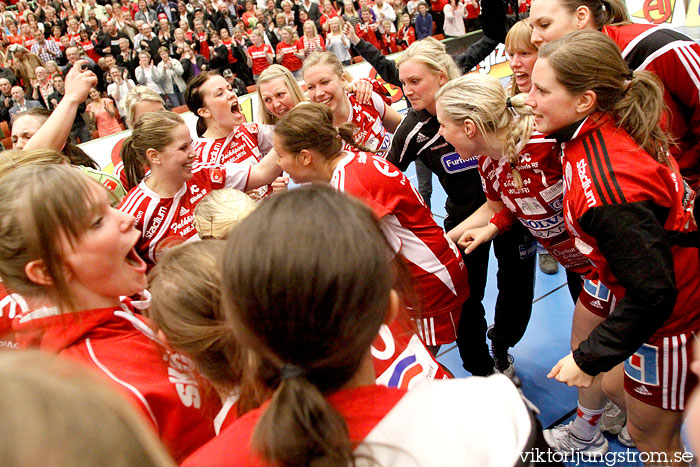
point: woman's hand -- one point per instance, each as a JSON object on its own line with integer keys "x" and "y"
{"x": 472, "y": 238}
{"x": 567, "y": 371}
{"x": 362, "y": 90}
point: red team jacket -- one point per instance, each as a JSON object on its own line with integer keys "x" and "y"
{"x": 675, "y": 59}
{"x": 119, "y": 345}
{"x": 617, "y": 198}
{"x": 369, "y": 129}
{"x": 164, "y": 221}
{"x": 247, "y": 144}
{"x": 396, "y": 427}
{"x": 435, "y": 263}
{"x": 538, "y": 204}
{"x": 406, "y": 34}
{"x": 368, "y": 32}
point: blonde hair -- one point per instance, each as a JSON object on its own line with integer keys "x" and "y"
{"x": 272, "y": 73}
{"x": 15, "y": 158}
{"x": 519, "y": 38}
{"x": 482, "y": 99}
{"x": 326, "y": 58}
{"x": 431, "y": 53}
{"x": 153, "y": 130}
{"x": 136, "y": 95}
{"x": 308, "y": 21}
{"x": 220, "y": 210}
{"x": 588, "y": 60}
{"x": 85, "y": 423}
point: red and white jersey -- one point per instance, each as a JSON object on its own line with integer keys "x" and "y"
{"x": 435, "y": 263}
{"x": 11, "y": 306}
{"x": 259, "y": 57}
{"x": 287, "y": 51}
{"x": 675, "y": 59}
{"x": 438, "y": 423}
{"x": 120, "y": 345}
{"x": 539, "y": 202}
{"x": 369, "y": 129}
{"x": 597, "y": 174}
{"x": 164, "y": 222}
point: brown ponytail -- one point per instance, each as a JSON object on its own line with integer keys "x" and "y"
{"x": 588, "y": 60}
{"x": 310, "y": 126}
{"x": 603, "y": 12}
{"x": 299, "y": 307}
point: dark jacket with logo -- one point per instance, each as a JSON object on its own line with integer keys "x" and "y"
{"x": 417, "y": 138}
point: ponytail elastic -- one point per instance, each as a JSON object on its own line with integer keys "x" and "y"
{"x": 289, "y": 371}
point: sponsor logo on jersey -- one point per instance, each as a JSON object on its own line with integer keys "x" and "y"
{"x": 597, "y": 290}
{"x": 156, "y": 222}
{"x": 530, "y": 206}
{"x": 642, "y": 390}
{"x": 216, "y": 175}
{"x": 452, "y": 163}
{"x": 545, "y": 228}
{"x": 421, "y": 138}
{"x": 383, "y": 166}
{"x": 557, "y": 204}
{"x": 183, "y": 211}
{"x": 567, "y": 175}
{"x": 181, "y": 374}
{"x": 13, "y": 305}
{"x": 554, "y": 191}
{"x": 597, "y": 304}
{"x": 582, "y": 246}
{"x": 585, "y": 183}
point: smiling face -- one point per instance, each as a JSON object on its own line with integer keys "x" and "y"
{"x": 300, "y": 168}
{"x": 174, "y": 161}
{"x": 550, "y": 21}
{"x": 276, "y": 97}
{"x": 454, "y": 133}
{"x": 94, "y": 94}
{"x": 102, "y": 265}
{"x": 554, "y": 107}
{"x": 220, "y": 103}
{"x": 420, "y": 85}
{"x": 324, "y": 86}
{"x": 23, "y": 129}
{"x": 521, "y": 62}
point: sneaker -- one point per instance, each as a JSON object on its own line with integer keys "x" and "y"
{"x": 504, "y": 365}
{"x": 613, "y": 419}
{"x": 562, "y": 440}
{"x": 548, "y": 264}
{"x": 624, "y": 437}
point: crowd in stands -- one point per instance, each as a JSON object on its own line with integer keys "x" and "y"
{"x": 162, "y": 44}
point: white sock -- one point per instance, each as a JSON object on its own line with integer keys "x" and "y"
{"x": 585, "y": 424}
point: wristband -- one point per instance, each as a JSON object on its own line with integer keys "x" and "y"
{"x": 503, "y": 220}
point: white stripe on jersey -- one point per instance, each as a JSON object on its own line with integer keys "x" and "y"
{"x": 132, "y": 203}
{"x": 432, "y": 330}
{"x": 671, "y": 46}
{"x": 165, "y": 223}
{"x": 664, "y": 387}
{"x": 409, "y": 137}
{"x": 633, "y": 43}
{"x": 417, "y": 252}
{"x": 674, "y": 373}
{"x": 128, "y": 386}
{"x": 691, "y": 62}
{"x": 684, "y": 370}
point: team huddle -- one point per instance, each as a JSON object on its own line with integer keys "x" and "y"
{"x": 250, "y": 323}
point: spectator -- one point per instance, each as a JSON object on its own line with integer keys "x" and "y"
{"x": 93, "y": 9}
{"x": 225, "y": 20}
{"x": 148, "y": 74}
{"x": 27, "y": 38}
{"x": 42, "y": 87}
{"x": 109, "y": 42}
{"x": 259, "y": 55}
{"x": 382, "y": 11}
{"x": 169, "y": 9}
{"x": 21, "y": 103}
{"x": 236, "y": 83}
{"x": 389, "y": 45}
{"x": 350, "y": 14}
{"x": 302, "y": 17}
{"x": 192, "y": 63}
{"x": 327, "y": 13}
{"x": 127, "y": 57}
{"x": 6, "y": 96}
{"x": 437, "y": 7}
{"x": 46, "y": 50}
{"x": 289, "y": 17}
{"x": 72, "y": 56}
{"x": 337, "y": 42}
{"x": 248, "y": 14}
{"x": 312, "y": 41}
{"x": 171, "y": 73}
{"x": 120, "y": 87}
{"x": 25, "y": 63}
{"x": 455, "y": 13}
{"x": 78, "y": 128}
{"x": 149, "y": 42}
{"x": 145, "y": 14}
{"x": 177, "y": 46}
{"x": 290, "y": 52}
{"x": 424, "y": 22}
{"x": 88, "y": 45}
{"x": 367, "y": 30}
{"x": 312, "y": 10}
{"x": 406, "y": 35}
{"x": 164, "y": 35}
{"x": 101, "y": 113}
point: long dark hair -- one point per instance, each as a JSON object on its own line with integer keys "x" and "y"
{"x": 194, "y": 98}
{"x": 312, "y": 310}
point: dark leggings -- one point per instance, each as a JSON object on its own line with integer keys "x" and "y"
{"x": 515, "y": 252}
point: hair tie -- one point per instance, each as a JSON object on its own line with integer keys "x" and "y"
{"x": 509, "y": 104}
{"x": 630, "y": 75}
{"x": 290, "y": 370}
